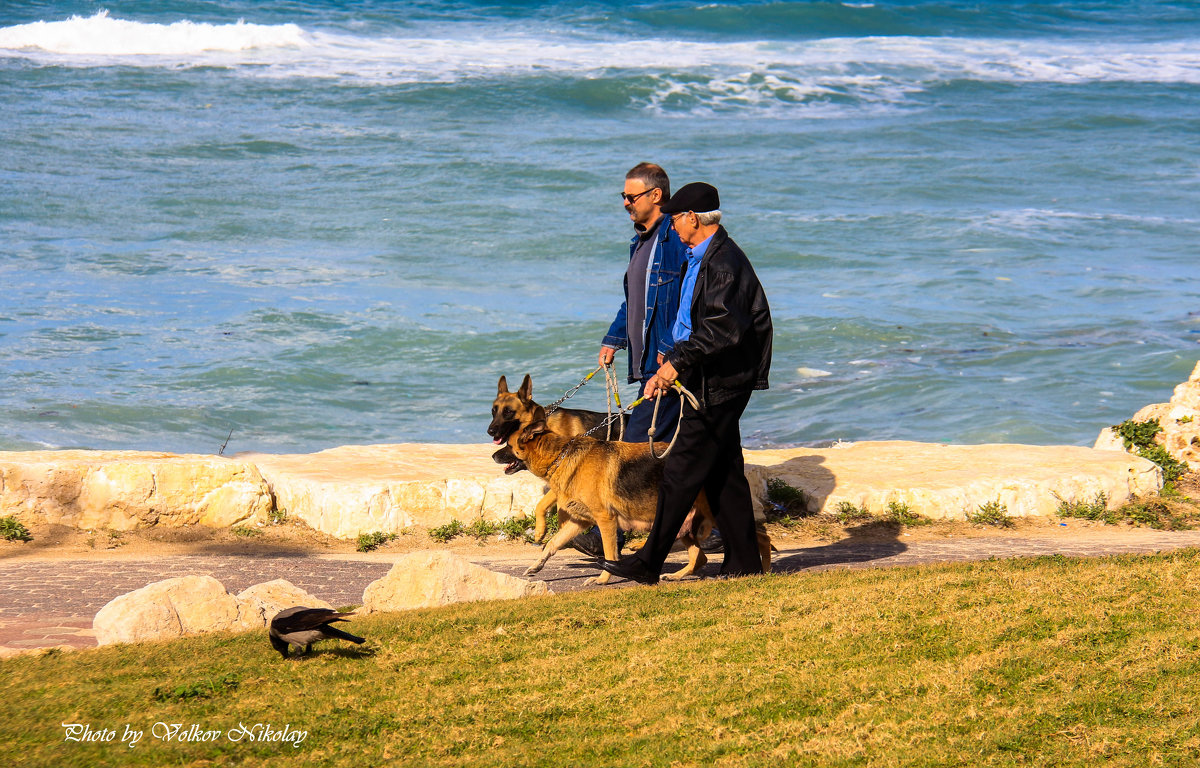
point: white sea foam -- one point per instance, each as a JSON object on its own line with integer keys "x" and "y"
{"x": 809, "y": 73}
{"x": 101, "y": 35}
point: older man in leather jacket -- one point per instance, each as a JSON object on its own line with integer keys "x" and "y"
{"x": 722, "y": 353}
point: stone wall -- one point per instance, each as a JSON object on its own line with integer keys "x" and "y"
{"x": 359, "y": 489}
{"x": 126, "y": 490}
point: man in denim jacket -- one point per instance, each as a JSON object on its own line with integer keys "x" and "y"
{"x": 644, "y": 321}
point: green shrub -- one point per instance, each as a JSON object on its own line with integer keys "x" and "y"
{"x": 444, "y": 533}
{"x": 991, "y": 513}
{"x": 481, "y": 528}
{"x": 845, "y": 512}
{"x": 1137, "y": 434}
{"x": 517, "y": 528}
{"x": 784, "y": 500}
{"x": 899, "y": 512}
{"x": 1172, "y": 469}
{"x": 1140, "y": 435}
{"x": 373, "y": 540}
{"x": 11, "y": 529}
{"x": 277, "y": 516}
{"x": 1096, "y": 509}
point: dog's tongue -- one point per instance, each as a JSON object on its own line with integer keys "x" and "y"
{"x": 496, "y": 441}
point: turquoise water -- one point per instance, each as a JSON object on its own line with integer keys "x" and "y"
{"x": 322, "y": 223}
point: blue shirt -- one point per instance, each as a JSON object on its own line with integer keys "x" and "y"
{"x": 683, "y": 321}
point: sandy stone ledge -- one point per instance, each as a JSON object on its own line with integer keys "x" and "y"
{"x": 351, "y": 490}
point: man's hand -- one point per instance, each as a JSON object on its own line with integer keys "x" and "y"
{"x": 661, "y": 381}
{"x": 606, "y": 355}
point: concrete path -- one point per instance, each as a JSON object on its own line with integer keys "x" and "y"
{"x": 51, "y": 602}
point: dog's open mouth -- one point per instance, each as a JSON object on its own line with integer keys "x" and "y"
{"x": 512, "y": 464}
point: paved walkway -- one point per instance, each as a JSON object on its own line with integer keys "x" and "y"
{"x": 49, "y": 602}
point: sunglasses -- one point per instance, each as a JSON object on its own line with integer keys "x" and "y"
{"x": 631, "y": 199}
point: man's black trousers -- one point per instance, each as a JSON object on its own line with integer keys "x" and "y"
{"x": 708, "y": 456}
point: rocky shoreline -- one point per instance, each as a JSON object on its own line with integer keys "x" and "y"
{"x": 347, "y": 491}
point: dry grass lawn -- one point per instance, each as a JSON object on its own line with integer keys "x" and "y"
{"x": 1045, "y": 661}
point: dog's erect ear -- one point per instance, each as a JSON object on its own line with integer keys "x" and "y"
{"x": 526, "y": 390}
{"x": 502, "y": 386}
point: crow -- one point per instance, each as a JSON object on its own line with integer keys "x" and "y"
{"x": 301, "y": 627}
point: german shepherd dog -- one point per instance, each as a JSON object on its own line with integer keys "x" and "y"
{"x": 513, "y": 411}
{"x": 607, "y": 484}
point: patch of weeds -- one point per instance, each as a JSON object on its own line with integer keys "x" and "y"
{"x": 899, "y": 512}
{"x": 1184, "y": 420}
{"x": 1169, "y": 491}
{"x": 373, "y": 540}
{"x": 444, "y": 533}
{"x": 784, "y": 500}
{"x": 1137, "y": 434}
{"x": 199, "y": 690}
{"x": 517, "y": 528}
{"x": 1140, "y": 435}
{"x": 1172, "y": 468}
{"x": 11, "y": 529}
{"x": 1155, "y": 514}
{"x": 481, "y": 528}
{"x": 245, "y": 531}
{"x": 845, "y": 512}
{"x": 991, "y": 513}
{"x": 1096, "y": 509}
{"x": 277, "y": 516}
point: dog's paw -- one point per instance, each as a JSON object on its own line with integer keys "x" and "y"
{"x": 532, "y": 570}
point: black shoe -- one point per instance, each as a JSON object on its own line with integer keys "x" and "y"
{"x": 714, "y": 544}
{"x": 631, "y": 568}
{"x": 589, "y": 543}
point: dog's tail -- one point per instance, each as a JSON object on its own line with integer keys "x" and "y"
{"x": 765, "y": 547}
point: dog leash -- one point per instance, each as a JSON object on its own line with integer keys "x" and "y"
{"x": 554, "y": 464}
{"x": 613, "y": 394}
{"x": 554, "y": 406}
{"x": 684, "y": 394}
{"x": 607, "y": 423}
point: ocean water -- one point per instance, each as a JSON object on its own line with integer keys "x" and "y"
{"x": 290, "y": 226}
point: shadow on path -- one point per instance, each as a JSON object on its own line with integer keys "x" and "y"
{"x": 874, "y": 541}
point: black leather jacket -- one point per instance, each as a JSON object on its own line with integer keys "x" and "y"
{"x": 729, "y": 351}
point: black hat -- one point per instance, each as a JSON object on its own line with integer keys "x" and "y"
{"x": 697, "y": 196}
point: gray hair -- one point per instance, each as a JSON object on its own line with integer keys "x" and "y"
{"x": 708, "y": 218}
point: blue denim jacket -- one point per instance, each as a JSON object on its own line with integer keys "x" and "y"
{"x": 662, "y": 303}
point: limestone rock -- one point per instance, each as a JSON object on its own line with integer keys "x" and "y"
{"x": 1179, "y": 419}
{"x": 126, "y": 490}
{"x": 947, "y": 481}
{"x": 428, "y": 579}
{"x": 359, "y": 489}
{"x": 172, "y": 608}
{"x": 258, "y": 604}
